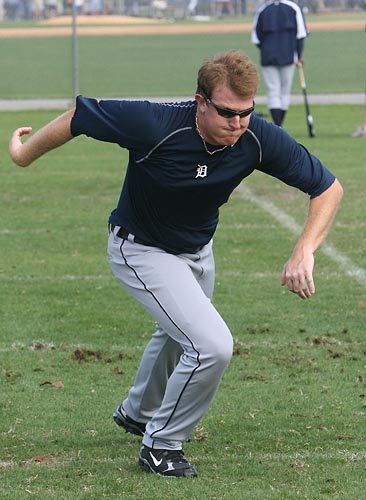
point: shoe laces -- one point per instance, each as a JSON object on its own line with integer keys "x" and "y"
{"x": 174, "y": 456}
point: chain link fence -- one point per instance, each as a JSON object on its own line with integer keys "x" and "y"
{"x": 13, "y": 10}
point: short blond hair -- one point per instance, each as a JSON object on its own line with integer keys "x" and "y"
{"x": 233, "y": 69}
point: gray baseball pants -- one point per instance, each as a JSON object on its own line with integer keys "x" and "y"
{"x": 278, "y": 82}
{"x": 184, "y": 361}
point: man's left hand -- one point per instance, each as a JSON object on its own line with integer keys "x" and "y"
{"x": 297, "y": 274}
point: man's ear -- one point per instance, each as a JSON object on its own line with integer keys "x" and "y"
{"x": 201, "y": 102}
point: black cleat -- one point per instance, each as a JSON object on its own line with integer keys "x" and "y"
{"x": 129, "y": 425}
{"x": 165, "y": 462}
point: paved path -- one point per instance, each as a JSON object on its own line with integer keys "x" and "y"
{"x": 36, "y": 104}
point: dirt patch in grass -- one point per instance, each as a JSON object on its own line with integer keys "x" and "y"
{"x": 109, "y": 25}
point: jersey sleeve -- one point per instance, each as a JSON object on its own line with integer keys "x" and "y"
{"x": 302, "y": 31}
{"x": 291, "y": 162}
{"x": 255, "y": 34}
{"x": 126, "y": 123}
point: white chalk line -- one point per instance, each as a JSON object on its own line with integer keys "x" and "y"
{"x": 345, "y": 263}
{"x": 300, "y": 461}
{"x": 232, "y": 274}
{"x": 67, "y": 277}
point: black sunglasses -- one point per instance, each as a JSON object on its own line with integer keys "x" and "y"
{"x": 225, "y": 112}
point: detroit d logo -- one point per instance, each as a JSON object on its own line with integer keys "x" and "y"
{"x": 201, "y": 171}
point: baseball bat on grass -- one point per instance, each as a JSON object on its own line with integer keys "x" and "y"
{"x": 309, "y": 118}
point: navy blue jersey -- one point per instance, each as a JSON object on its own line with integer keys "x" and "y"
{"x": 173, "y": 188}
{"x": 279, "y": 30}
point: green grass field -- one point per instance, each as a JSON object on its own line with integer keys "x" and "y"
{"x": 288, "y": 420}
{"x": 161, "y": 65}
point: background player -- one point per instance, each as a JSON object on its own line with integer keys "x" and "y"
{"x": 279, "y": 31}
{"x": 185, "y": 159}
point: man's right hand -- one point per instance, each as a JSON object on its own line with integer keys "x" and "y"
{"x": 16, "y": 145}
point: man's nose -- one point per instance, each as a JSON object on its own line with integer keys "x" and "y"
{"x": 235, "y": 121}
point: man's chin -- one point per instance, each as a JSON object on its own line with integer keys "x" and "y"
{"x": 230, "y": 140}
{"x": 227, "y": 140}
